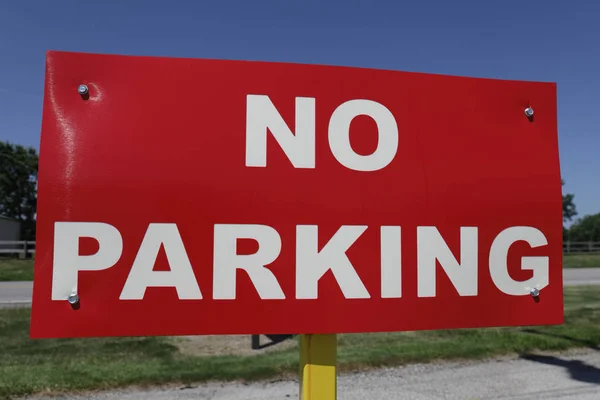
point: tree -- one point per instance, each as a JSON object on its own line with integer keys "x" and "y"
{"x": 586, "y": 229}
{"x": 569, "y": 210}
{"x": 18, "y": 185}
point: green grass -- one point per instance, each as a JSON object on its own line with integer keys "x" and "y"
{"x": 12, "y": 269}
{"x": 591, "y": 260}
{"x": 28, "y": 366}
{"x": 22, "y": 270}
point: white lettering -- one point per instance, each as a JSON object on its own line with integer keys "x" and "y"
{"x": 339, "y": 135}
{"x": 67, "y": 262}
{"x": 499, "y": 261}
{"x": 312, "y": 264}
{"x": 431, "y": 247}
{"x": 181, "y": 276}
{"x": 227, "y": 261}
{"x": 391, "y": 265}
{"x": 262, "y": 116}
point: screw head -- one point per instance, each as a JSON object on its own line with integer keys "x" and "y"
{"x": 529, "y": 112}
{"x": 82, "y": 89}
{"x": 73, "y": 299}
{"x": 535, "y": 292}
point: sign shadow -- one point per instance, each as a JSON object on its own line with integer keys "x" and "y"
{"x": 579, "y": 370}
{"x": 274, "y": 340}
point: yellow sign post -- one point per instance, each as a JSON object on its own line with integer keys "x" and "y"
{"x": 318, "y": 367}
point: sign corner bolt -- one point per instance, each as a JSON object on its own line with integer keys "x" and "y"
{"x": 83, "y": 91}
{"x": 73, "y": 300}
{"x": 535, "y": 293}
{"x": 529, "y": 113}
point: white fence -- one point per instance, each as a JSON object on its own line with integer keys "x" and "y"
{"x": 581, "y": 247}
{"x": 23, "y": 248}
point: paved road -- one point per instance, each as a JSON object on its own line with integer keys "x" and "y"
{"x": 19, "y": 293}
{"x": 581, "y": 276}
{"x": 574, "y": 376}
{"x": 15, "y": 294}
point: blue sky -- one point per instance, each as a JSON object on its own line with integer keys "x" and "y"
{"x": 556, "y": 41}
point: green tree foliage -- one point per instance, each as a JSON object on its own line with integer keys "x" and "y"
{"x": 586, "y": 229}
{"x": 18, "y": 185}
{"x": 569, "y": 210}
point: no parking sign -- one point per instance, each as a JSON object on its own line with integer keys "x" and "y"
{"x": 192, "y": 196}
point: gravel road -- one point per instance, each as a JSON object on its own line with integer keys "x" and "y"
{"x": 566, "y": 376}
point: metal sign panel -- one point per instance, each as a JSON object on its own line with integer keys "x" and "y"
{"x": 192, "y": 196}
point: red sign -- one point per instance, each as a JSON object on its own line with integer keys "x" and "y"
{"x": 188, "y": 196}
